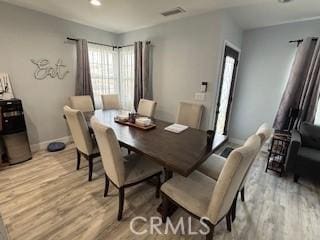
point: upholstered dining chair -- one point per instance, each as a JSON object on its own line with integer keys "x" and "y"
{"x": 204, "y": 197}
{"x": 213, "y": 166}
{"x": 85, "y": 144}
{"x": 190, "y": 114}
{"x": 146, "y": 107}
{"x": 122, "y": 174}
{"x": 110, "y": 101}
{"x": 81, "y": 103}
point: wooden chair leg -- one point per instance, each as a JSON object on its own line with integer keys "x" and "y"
{"x": 90, "y": 160}
{"x": 228, "y": 218}
{"x": 165, "y": 208}
{"x": 242, "y": 195}
{"x": 78, "y": 159}
{"x": 158, "y": 186}
{"x": 209, "y": 236}
{"x": 121, "y": 203}
{"x": 296, "y": 178}
{"x": 106, "y": 186}
{"x": 234, "y": 208}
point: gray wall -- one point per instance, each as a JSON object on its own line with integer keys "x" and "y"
{"x": 264, "y": 69}
{"x": 25, "y": 35}
{"x": 187, "y": 52}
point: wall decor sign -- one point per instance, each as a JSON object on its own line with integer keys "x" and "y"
{"x": 44, "y": 69}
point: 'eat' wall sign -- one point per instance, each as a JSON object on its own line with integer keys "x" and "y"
{"x": 44, "y": 69}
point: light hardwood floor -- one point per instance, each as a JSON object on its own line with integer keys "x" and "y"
{"x": 46, "y": 198}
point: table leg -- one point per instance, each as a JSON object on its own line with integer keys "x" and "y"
{"x": 172, "y": 207}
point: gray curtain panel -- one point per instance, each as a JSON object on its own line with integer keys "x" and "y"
{"x": 147, "y": 76}
{"x": 138, "y": 81}
{"x": 83, "y": 81}
{"x": 310, "y": 94}
{"x": 302, "y": 79}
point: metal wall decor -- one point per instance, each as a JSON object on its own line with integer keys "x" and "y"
{"x": 44, "y": 69}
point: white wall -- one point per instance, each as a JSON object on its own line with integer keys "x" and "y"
{"x": 264, "y": 70}
{"x": 25, "y": 35}
{"x": 186, "y": 52}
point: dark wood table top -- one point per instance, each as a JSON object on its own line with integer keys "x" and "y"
{"x": 181, "y": 153}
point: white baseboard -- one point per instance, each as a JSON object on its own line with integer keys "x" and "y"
{"x": 43, "y": 145}
{"x": 236, "y": 141}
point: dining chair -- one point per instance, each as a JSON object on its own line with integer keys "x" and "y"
{"x": 110, "y": 101}
{"x": 190, "y": 114}
{"x": 146, "y": 107}
{"x": 213, "y": 166}
{"x": 122, "y": 172}
{"x": 208, "y": 199}
{"x": 81, "y": 103}
{"x": 85, "y": 144}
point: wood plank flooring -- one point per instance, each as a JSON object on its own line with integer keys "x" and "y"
{"x": 46, "y": 198}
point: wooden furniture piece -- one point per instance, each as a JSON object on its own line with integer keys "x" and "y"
{"x": 122, "y": 174}
{"x": 85, "y": 144}
{"x": 151, "y": 126}
{"x": 181, "y": 153}
{"x": 190, "y": 114}
{"x": 110, "y": 101}
{"x": 202, "y": 196}
{"x": 81, "y": 103}
{"x": 278, "y": 152}
{"x": 146, "y": 108}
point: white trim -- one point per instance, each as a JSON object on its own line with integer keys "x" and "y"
{"x": 236, "y": 141}
{"x": 43, "y": 145}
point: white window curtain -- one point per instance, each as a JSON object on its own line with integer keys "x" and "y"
{"x": 112, "y": 72}
{"x": 104, "y": 71}
{"x": 126, "y": 63}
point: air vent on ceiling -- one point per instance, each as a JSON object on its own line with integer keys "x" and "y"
{"x": 173, "y": 11}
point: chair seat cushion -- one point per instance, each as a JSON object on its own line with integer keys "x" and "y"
{"x": 212, "y": 166}
{"x": 309, "y": 154}
{"x": 138, "y": 168}
{"x": 192, "y": 193}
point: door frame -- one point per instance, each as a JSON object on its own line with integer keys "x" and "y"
{"x": 219, "y": 82}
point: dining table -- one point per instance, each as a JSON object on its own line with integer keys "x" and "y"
{"x": 180, "y": 153}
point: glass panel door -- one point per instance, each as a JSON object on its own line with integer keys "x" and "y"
{"x": 226, "y": 90}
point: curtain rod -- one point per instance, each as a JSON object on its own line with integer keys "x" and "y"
{"x": 101, "y": 44}
{"x": 298, "y": 41}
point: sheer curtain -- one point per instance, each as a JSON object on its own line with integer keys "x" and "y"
{"x": 112, "y": 72}
{"x": 104, "y": 71}
{"x": 126, "y": 73}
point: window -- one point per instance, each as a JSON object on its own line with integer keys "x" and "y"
{"x": 126, "y": 63}
{"x": 112, "y": 72}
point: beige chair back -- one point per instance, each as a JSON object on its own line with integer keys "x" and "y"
{"x": 110, "y": 101}
{"x": 82, "y": 103}
{"x": 146, "y": 107}
{"x": 110, "y": 152}
{"x": 190, "y": 114}
{"x": 264, "y": 132}
{"x": 79, "y": 130}
{"x": 231, "y": 177}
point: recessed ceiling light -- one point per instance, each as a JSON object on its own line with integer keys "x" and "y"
{"x": 285, "y": 1}
{"x": 95, "y": 2}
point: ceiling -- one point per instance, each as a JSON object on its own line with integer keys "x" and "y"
{"x": 128, "y": 15}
